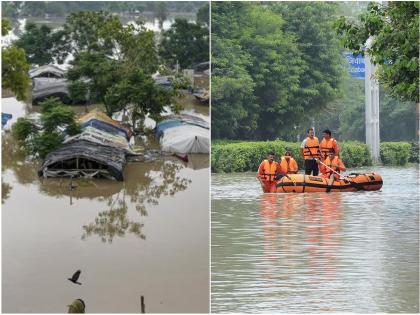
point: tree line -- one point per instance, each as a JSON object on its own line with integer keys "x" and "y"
{"x": 278, "y": 68}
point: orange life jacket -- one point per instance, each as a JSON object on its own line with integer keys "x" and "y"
{"x": 328, "y": 146}
{"x": 288, "y": 166}
{"x": 311, "y": 149}
{"x": 269, "y": 171}
{"x": 334, "y": 164}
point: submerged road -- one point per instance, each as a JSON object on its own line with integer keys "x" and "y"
{"x": 315, "y": 252}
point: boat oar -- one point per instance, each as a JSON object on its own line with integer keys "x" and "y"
{"x": 329, "y": 168}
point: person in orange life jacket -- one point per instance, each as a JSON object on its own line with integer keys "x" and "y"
{"x": 334, "y": 162}
{"x": 287, "y": 164}
{"x": 310, "y": 151}
{"x": 328, "y": 144}
{"x": 267, "y": 173}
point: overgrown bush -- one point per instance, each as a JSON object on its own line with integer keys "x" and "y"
{"x": 395, "y": 153}
{"x": 414, "y": 153}
{"x": 247, "y": 156}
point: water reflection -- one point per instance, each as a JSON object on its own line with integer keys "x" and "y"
{"x": 317, "y": 252}
{"x": 145, "y": 184}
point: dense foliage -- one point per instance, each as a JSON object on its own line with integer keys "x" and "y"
{"x": 40, "y": 138}
{"x": 273, "y": 67}
{"x": 113, "y": 64}
{"x": 186, "y": 43}
{"x": 395, "y": 153}
{"x": 394, "y": 28}
{"x": 14, "y": 67}
{"x": 40, "y": 43}
{"x": 346, "y": 116}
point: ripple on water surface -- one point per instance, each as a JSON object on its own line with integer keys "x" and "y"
{"x": 317, "y": 252}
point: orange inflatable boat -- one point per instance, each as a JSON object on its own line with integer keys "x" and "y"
{"x": 300, "y": 183}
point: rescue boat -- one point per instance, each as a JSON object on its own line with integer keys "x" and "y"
{"x": 300, "y": 183}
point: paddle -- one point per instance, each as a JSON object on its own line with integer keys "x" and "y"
{"x": 329, "y": 168}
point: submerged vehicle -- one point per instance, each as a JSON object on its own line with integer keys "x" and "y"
{"x": 300, "y": 183}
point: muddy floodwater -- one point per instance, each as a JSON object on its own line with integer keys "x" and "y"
{"x": 315, "y": 252}
{"x": 147, "y": 236}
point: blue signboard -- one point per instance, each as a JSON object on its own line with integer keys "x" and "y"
{"x": 356, "y": 65}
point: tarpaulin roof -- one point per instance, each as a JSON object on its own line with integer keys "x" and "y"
{"x": 45, "y": 87}
{"x": 45, "y": 70}
{"x": 111, "y": 159}
{"x": 101, "y": 121}
{"x": 184, "y": 134}
{"x": 98, "y": 136}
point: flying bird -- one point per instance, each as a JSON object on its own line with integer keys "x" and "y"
{"x": 75, "y": 277}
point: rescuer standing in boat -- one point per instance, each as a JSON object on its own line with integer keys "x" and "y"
{"x": 328, "y": 144}
{"x": 287, "y": 164}
{"x": 311, "y": 151}
{"x": 332, "y": 163}
{"x": 267, "y": 173}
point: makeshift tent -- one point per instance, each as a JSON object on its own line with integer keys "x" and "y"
{"x": 183, "y": 134}
{"x": 102, "y": 122}
{"x": 47, "y": 71}
{"x": 85, "y": 159}
{"x": 98, "y": 136}
{"x": 100, "y": 150}
{"x": 50, "y": 87}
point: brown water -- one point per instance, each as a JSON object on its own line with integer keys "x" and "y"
{"x": 148, "y": 235}
{"x": 315, "y": 252}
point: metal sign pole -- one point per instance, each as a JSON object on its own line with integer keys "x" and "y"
{"x": 372, "y": 109}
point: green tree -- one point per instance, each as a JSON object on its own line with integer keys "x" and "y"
{"x": 203, "y": 15}
{"x": 186, "y": 43}
{"x": 37, "y": 41}
{"x": 394, "y": 28}
{"x": 114, "y": 64}
{"x": 14, "y": 71}
{"x": 57, "y": 120}
{"x": 14, "y": 68}
{"x": 273, "y": 66}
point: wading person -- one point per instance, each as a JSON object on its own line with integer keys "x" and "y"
{"x": 328, "y": 144}
{"x": 333, "y": 165}
{"x": 287, "y": 164}
{"x": 310, "y": 151}
{"x": 267, "y": 173}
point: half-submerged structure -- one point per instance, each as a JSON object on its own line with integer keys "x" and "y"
{"x": 99, "y": 151}
{"x": 47, "y": 71}
{"x": 43, "y": 88}
{"x": 184, "y": 134}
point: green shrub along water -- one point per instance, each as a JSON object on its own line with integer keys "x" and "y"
{"x": 236, "y": 156}
{"x": 395, "y": 153}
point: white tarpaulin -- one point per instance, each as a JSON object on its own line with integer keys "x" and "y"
{"x": 186, "y": 139}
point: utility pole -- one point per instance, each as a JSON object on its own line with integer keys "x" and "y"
{"x": 371, "y": 106}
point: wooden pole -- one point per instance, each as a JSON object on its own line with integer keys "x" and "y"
{"x": 143, "y": 307}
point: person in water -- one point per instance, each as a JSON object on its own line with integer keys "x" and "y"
{"x": 334, "y": 164}
{"x": 310, "y": 151}
{"x": 287, "y": 164}
{"x": 267, "y": 173}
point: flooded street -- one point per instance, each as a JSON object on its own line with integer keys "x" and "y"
{"x": 147, "y": 236}
{"x": 315, "y": 252}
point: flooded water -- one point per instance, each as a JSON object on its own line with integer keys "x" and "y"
{"x": 315, "y": 252}
{"x": 147, "y": 236}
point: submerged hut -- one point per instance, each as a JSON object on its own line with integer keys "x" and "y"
{"x": 43, "y": 88}
{"x": 47, "y": 71}
{"x": 100, "y": 150}
{"x": 184, "y": 134}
